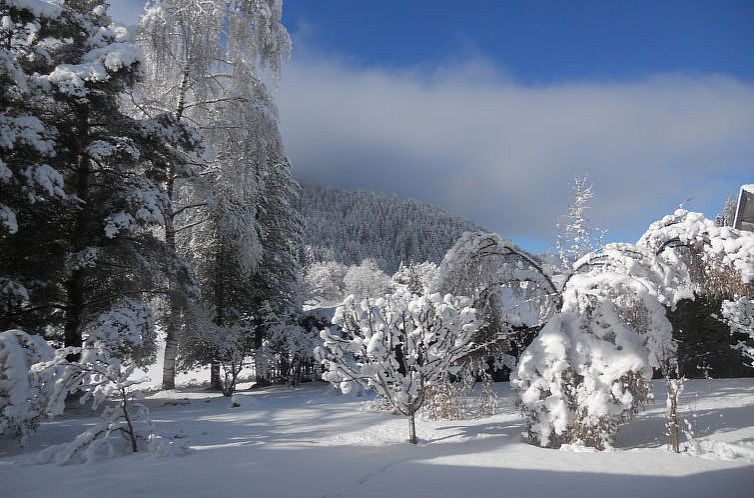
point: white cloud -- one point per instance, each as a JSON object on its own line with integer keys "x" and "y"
{"x": 502, "y": 153}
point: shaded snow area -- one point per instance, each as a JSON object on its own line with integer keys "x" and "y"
{"x": 312, "y": 442}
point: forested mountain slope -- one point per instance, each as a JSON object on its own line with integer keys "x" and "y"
{"x": 348, "y": 226}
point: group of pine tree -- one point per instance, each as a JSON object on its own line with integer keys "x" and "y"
{"x": 144, "y": 181}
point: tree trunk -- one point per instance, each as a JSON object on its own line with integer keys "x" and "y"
{"x": 171, "y": 339}
{"x": 261, "y": 371}
{"x": 171, "y": 353}
{"x": 411, "y": 427}
{"x": 674, "y": 437}
{"x": 74, "y": 285}
{"x": 216, "y": 382}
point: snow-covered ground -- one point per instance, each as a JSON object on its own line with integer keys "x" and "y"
{"x": 310, "y": 442}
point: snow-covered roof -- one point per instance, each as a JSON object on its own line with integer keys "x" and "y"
{"x": 745, "y": 210}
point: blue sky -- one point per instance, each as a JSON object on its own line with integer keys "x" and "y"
{"x": 539, "y": 41}
{"x": 488, "y": 108}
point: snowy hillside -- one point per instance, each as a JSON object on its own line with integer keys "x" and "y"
{"x": 348, "y": 226}
{"x": 310, "y": 442}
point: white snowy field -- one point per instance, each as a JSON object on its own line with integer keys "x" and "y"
{"x": 309, "y": 442}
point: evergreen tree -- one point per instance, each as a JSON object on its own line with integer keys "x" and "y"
{"x": 96, "y": 251}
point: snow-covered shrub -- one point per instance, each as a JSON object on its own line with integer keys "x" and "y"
{"x": 399, "y": 345}
{"x": 100, "y": 378}
{"x": 458, "y": 400}
{"x": 23, "y": 399}
{"x": 581, "y": 377}
{"x": 589, "y": 368}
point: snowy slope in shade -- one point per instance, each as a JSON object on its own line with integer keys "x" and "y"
{"x": 309, "y": 442}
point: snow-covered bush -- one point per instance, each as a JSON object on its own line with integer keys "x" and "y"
{"x": 100, "y": 378}
{"x": 399, "y": 345}
{"x": 581, "y": 377}
{"x": 589, "y": 368}
{"x": 23, "y": 399}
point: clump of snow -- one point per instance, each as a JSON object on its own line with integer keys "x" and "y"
{"x": 100, "y": 150}
{"x": 718, "y": 450}
{"x": 45, "y": 177}
{"x": 28, "y": 130}
{"x": 38, "y": 8}
{"x": 718, "y": 245}
{"x": 8, "y": 219}
{"x": 145, "y": 205}
{"x": 739, "y": 315}
{"x": 127, "y": 330}
{"x": 110, "y": 54}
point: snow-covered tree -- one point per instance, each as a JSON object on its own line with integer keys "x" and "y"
{"x": 709, "y": 260}
{"x": 366, "y": 280}
{"x": 94, "y": 246}
{"x": 417, "y": 277}
{"x": 326, "y": 281}
{"x": 575, "y": 237}
{"x": 399, "y": 345}
{"x": 207, "y": 59}
{"x": 511, "y": 290}
{"x": 727, "y": 217}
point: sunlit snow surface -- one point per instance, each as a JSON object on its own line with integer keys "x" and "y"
{"x": 310, "y": 442}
